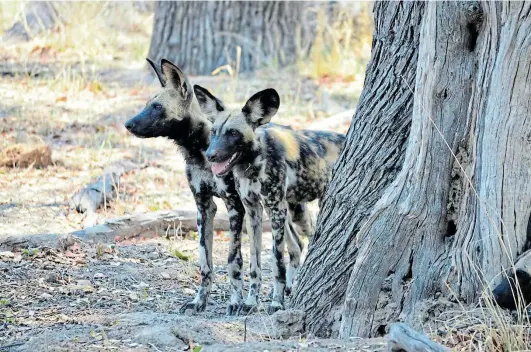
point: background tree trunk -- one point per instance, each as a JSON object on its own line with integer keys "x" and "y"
{"x": 444, "y": 213}
{"x": 37, "y": 17}
{"x": 201, "y": 36}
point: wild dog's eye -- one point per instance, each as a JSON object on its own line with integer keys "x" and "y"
{"x": 213, "y": 132}
{"x": 157, "y": 106}
{"x": 233, "y": 133}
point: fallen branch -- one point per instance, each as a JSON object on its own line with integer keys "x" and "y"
{"x": 148, "y": 225}
{"x": 403, "y": 338}
{"x": 96, "y": 194}
{"x": 59, "y": 241}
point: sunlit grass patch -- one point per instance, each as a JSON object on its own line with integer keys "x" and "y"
{"x": 342, "y": 45}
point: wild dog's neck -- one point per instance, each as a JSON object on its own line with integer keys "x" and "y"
{"x": 249, "y": 164}
{"x": 192, "y": 134}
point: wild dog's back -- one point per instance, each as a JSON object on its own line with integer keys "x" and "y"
{"x": 309, "y": 158}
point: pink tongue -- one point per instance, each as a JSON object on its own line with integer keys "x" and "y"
{"x": 217, "y": 168}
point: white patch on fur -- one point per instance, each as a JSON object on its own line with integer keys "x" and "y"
{"x": 246, "y": 187}
{"x": 220, "y": 185}
{"x": 257, "y": 112}
{"x": 198, "y": 175}
{"x": 203, "y": 258}
{"x": 291, "y": 177}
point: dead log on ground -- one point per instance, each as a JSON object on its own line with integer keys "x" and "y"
{"x": 403, "y": 338}
{"x": 103, "y": 190}
{"x": 150, "y": 225}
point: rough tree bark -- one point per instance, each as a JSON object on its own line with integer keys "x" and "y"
{"x": 444, "y": 210}
{"x": 201, "y": 36}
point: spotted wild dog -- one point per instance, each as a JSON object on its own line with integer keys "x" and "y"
{"x": 175, "y": 113}
{"x": 278, "y": 165}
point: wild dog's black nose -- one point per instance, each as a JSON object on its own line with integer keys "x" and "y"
{"x": 212, "y": 155}
{"x": 129, "y": 125}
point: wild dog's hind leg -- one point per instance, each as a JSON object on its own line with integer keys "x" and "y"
{"x": 235, "y": 261}
{"x": 301, "y": 216}
{"x": 206, "y": 210}
{"x": 295, "y": 247}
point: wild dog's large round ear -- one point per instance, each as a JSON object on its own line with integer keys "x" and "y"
{"x": 176, "y": 79}
{"x": 261, "y": 107}
{"x": 159, "y": 74}
{"x": 210, "y": 105}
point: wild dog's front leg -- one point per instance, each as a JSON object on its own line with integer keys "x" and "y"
{"x": 278, "y": 214}
{"x": 206, "y": 210}
{"x": 235, "y": 261}
{"x": 254, "y": 211}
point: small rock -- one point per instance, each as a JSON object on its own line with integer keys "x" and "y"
{"x": 7, "y": 254}
{"x": 188, "y": 291}
{"x": 46, "y": 295}
{"x": 133, "y": 296}
{"x": 84, "y": 283}
{"x": 99, "y": 276}
{"x": 17, "y": 258}
{"x": 165, "y": 275}
{"x": 153, "y": 255}
{"x": 282, "y": 324}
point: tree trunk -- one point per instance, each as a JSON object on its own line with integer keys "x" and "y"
{"x": 201, "y": 36}
{"x": 38, "y": 16}
{"x": 440, "y": 212}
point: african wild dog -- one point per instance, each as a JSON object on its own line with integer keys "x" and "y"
{"x": 279, "y": 165}
{"x": 175, "y": 113}
{"x": 515, "y": 288}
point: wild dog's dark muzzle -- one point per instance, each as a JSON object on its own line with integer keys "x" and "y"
{"x": 145, "y": 124}
{"x": 221, "y": 160}
{"x": 130, "y": 124}
{"x": 212, "y": 155}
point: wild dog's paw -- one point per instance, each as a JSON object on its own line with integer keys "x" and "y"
{"x": 274, "y": 307}
{"x": 233, "y": 308}
{"x": 246, "y": 309}
{"x": 194, "y": 306}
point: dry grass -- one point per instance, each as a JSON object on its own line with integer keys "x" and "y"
{"x": 342, "y": 45}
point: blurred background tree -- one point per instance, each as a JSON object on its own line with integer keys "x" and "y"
{"x": 203, "y": 35}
